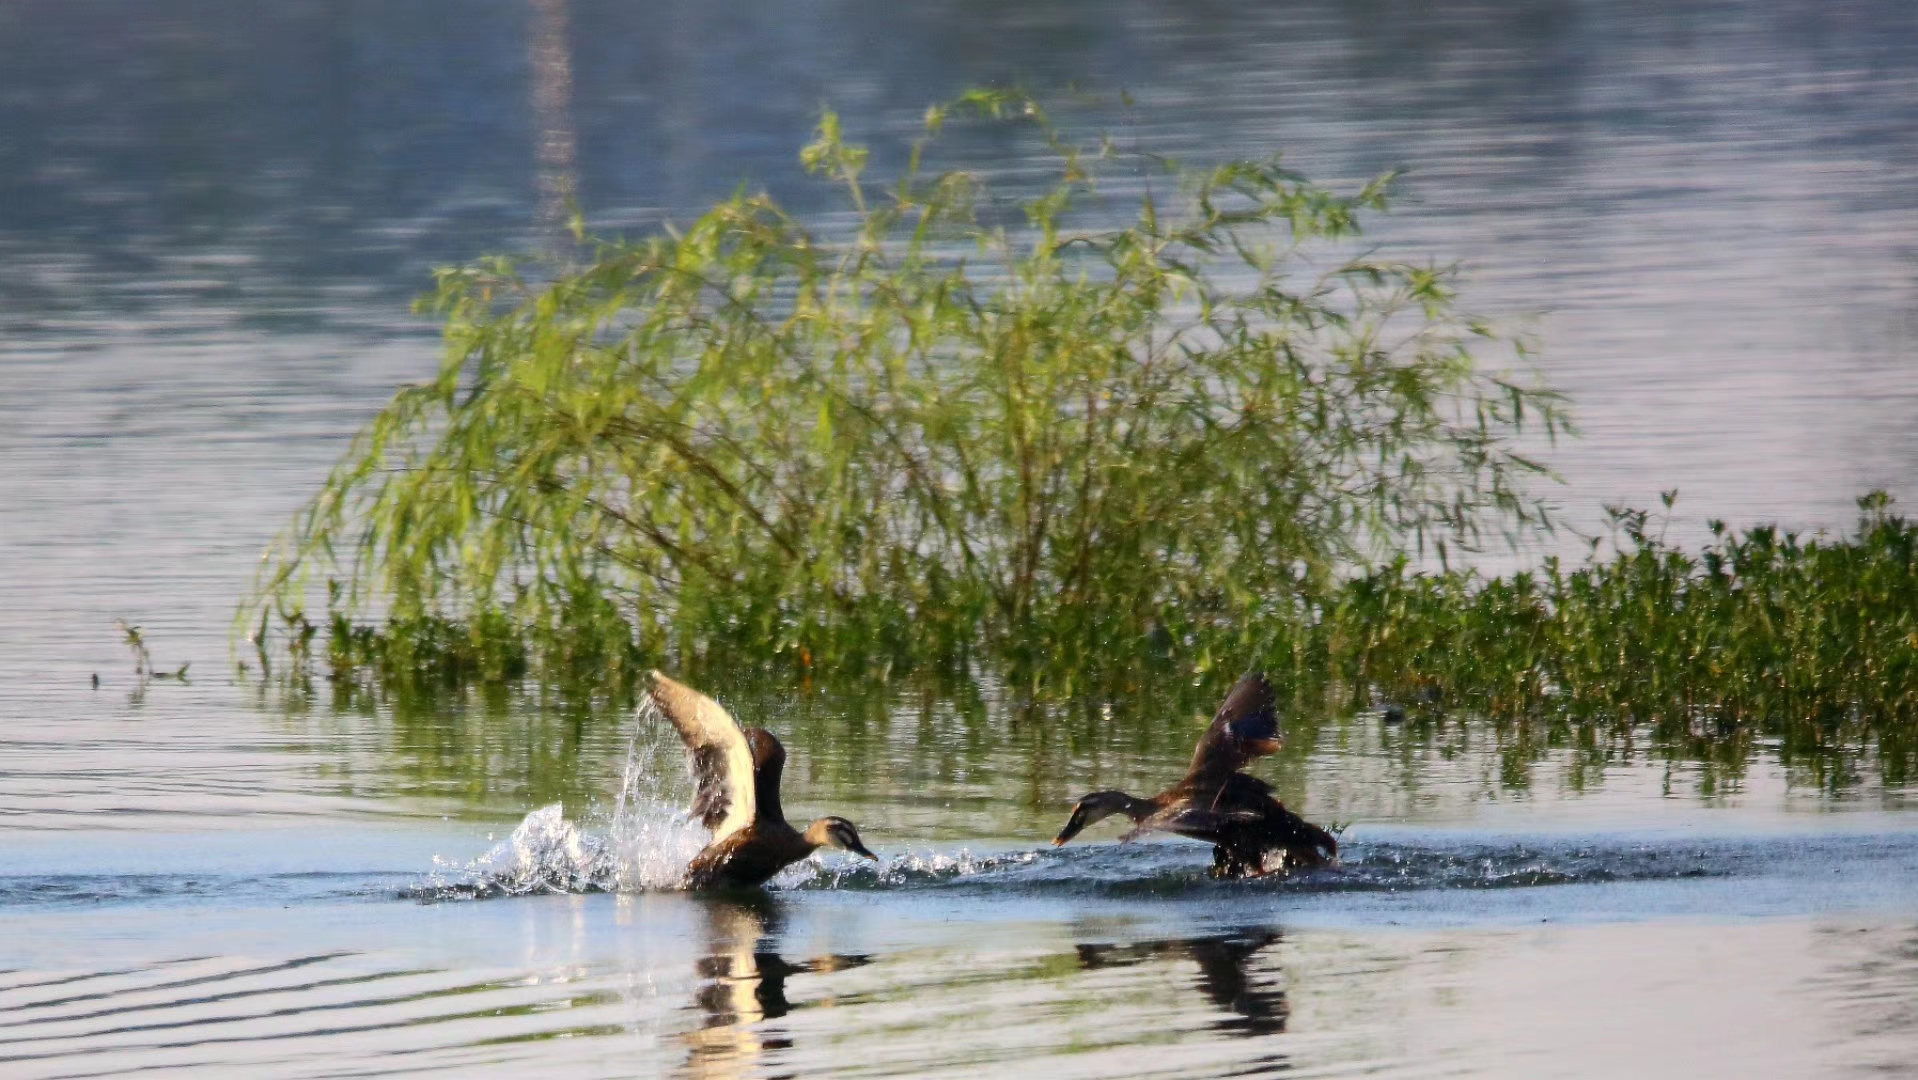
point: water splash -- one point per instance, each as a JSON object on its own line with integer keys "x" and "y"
{"x": 644, "y": 845}
{"x": 647, "y": 841}
{"x": 914, "y": 868}
{"x": 545, "y": 854}
{"x": 652, "y": 837}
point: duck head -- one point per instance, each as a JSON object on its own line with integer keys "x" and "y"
{"x": 837, "y": 832}
{"x": 1094, "y": 808}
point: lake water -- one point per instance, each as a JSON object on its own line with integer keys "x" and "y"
{"x": 212, "y": 216}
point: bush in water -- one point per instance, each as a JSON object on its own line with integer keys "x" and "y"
{"x": 924, "y": 434}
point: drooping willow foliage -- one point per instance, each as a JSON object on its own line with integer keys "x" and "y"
{"x": 926, "y": 433}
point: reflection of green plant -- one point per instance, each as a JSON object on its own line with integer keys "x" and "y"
{"x": 922, "y": 438}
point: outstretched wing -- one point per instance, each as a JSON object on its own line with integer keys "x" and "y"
{"x": 1245, "y": 727}
{"x": 721, "y": 758}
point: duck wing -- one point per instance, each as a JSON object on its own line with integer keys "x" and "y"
{"x": 1239, "y": 810}
{"x": 1245, "y": 728}
{"x": 1196, "y": 822}
{"x": 722, "y": 759}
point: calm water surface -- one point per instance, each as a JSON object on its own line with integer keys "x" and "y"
{"x": 212, "y": 216}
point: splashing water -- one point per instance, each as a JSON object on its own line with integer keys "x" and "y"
{"x": 912, "y": 868}
{"x": 652, "y": 838}
{"x": 645, "y": 845}
{"x": 647, "y": 842}
{"x": 546, "y": 853}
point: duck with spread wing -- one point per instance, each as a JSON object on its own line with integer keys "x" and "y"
{"x": 736, "y": 778}
{"x": 1218, "y": 802}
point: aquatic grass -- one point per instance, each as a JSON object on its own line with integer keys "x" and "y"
{"x": 1809, "y": 640}
{"x": 1051, "y": 437}
{"x": 144, "y": 673}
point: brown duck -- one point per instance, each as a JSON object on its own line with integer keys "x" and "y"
{"x": 1219, "y": 803}
{"x": 736, "y": 781}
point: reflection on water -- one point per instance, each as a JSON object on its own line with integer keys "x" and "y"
{"x": 1870, "y": 983}
{"x": 1254, "y": 1000}
{"x": 925, "y": 767}
{"x": 745, "y": 985}
{"x": 554, "y": 144}
{"x": 1225, "y": 981}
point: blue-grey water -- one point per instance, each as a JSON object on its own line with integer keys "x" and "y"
{"x": 213, "y": 216}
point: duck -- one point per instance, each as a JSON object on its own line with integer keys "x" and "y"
{"x": 736, "y": 775}
{"x": 1217, "y": 801}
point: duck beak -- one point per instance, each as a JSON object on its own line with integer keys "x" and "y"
{"x": 1263, "y": 747}
{"x": 858, "y": 848}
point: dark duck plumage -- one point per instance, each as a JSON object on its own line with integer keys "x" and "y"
{"x": 736, "y": 778}
{"x": 1218, "y": 802}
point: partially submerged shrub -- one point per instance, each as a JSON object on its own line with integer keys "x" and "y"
{"x": 1810, "y": 639}
{"x": 929, "y": 436}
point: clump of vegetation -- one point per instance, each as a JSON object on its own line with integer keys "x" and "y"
{"x": 1810, "y": 639}
{"x": 932, "y": 433}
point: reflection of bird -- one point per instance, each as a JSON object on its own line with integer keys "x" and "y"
{"x": 737, "y": 777}
{"x": 744, "y": 983}
{"x": 1224, "y": 978}
{"x": 1218, "y": 803}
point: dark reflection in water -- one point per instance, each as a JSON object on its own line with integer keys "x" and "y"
{"x": 1254, "y": 1000}
{"x": 710, "y": 989}
{"x": 744, "y": 985}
